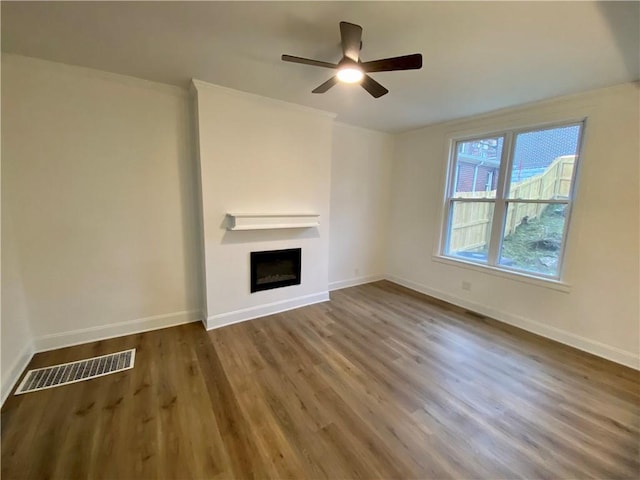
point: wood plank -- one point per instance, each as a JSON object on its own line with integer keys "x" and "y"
{"x": 381, "y": 382}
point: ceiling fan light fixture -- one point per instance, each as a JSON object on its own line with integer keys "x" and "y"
{"x": 350, "y": 74}
{"x": 351, "y": 70}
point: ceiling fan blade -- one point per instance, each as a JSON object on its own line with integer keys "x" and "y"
{"x": 374, "y": 88}
{"x": 406, "y": 62}
{"x": 351, "y": 36}
{"x": 308, "y": 61}
{"x": 326, "y": 85}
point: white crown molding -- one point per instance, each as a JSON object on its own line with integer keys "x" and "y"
{"x": 68, "y": 69}
{"x": 365, "y": 130}
{"x": 519, "y": 116}
{"x": 202, "y": 85}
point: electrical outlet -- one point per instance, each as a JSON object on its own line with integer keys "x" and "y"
{"x": 466, "y": 285}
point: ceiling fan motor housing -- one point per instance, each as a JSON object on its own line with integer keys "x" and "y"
{"x": 351, "y": 41}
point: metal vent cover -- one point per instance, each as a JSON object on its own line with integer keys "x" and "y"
{"x": 65, "y": 373}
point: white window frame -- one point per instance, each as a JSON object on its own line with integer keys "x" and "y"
{"x": 501, "y": 202}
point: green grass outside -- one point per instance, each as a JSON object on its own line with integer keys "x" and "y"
{"x": 525, "y": 247}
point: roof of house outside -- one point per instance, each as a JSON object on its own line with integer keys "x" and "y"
{"x": 535, "y": 151}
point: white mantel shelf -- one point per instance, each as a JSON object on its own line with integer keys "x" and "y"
{"x": 267, "y": 221}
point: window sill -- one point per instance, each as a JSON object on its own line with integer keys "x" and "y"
{"x": 511, "y": 275}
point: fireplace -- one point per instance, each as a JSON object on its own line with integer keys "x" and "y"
{"x": 275, "y": 269}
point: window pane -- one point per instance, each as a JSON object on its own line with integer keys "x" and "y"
{"x": 543, "y": 163}
{"x": 470, "y": 230}
{"x": 533, "y": 237}
{"x": 477, "y": 164}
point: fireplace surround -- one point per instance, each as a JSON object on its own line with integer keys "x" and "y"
{"x": 275, "y": 269}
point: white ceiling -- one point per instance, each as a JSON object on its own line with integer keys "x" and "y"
{"x": 478, "y": 56}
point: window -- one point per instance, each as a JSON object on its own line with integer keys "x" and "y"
{"x": 508, "y": 199}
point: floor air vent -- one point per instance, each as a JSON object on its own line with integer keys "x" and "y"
{"x": 73, "y": 372}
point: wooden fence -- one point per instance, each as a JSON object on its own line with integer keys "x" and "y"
{"x": 471, "y": 222}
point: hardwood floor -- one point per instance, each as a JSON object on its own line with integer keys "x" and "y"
{"x": 381, "y": 382}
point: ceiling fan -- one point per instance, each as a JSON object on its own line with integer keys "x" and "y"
{"x": 352, "y": 70}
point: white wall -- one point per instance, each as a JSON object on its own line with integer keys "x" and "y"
{"x": 15, "y": 330}
{"x": 259, "y": 155}
{"x": 98, "y": 204}
{"x": 100, "y": 199}
{"x": 16, "y": 339}
{"x": 360, "y": 195}
{"x": 600, "y": 313}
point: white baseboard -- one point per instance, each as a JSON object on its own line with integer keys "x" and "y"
{"x": 590, "y": 346}
{"x": 103, "y": 332}
{"x": 237, "y": 316}
{"x": 16, "y": 370}
{"x": 352, "y": 282}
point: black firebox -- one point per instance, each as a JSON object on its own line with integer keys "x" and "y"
{"x": 275, "y": 269}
